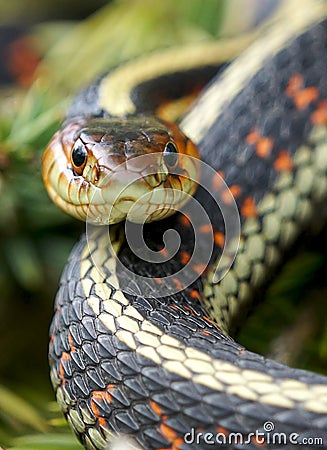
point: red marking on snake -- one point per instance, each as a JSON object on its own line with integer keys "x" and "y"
{"x": 158, "y": 280}
{"x": 249, "y": 208}
{"x": 199, "y": 268}
{"x": 264, "y": 147}
{"x": 228, "y": 195}
{"x": 217, "y": 180}
{"x": 222, "y": 430}
{"x": 205, "y": 332}
{"x": 185, "y": 257}
{"x": 284, "y": 162}
{"x": 301, "y": 96}
{"x": 156, "y": 408}
{"x": 263, "y": 144}
{"x": 196, "y": 295}
{"x": 164, "y": 252}
{"x": 295, "y": 84}
{"x": 219, "y": 239}
{"x": 208, "y": 319}
{"x": 188, "y": 308}
{"x": 165, "y": 430}
{"x": 64, "y": 357}
{"x": 258, "y": 443}
{"x": 307, "y": 96}
{"x": 178, "y": 283}
{"x": 101, "y": 396}
{"x": 185, "y": 220}
{"x": 253, "y": 137}
{"x": 71, "y": 343}
{"x": 319, "y": 116}
{"x": 235, "y": 190}
{"x": 207, "y": 228}
{"x": 171, "y": 436}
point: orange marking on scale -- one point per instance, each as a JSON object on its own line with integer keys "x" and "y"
{"x": 184, "y": 220}
{"x": 102, "y": 421}
{"x": 319, "y": 116}
{"x": 188, "y": 308}
{"x": 235, "y": 190}
{"x": 257, "y": 443}
{"x": 164, "y": 252}
{"x": 171, "y": 436}
{"x": 303, "y": 99}
{"x": 263, "y": 144}
{"x": 295, "y": 84}
{"x": 205, "y": 332}
{"x": 94, "y": 408}
{"x": 222, "y": 430}
{"x": 249, "y": 208}
{"x": 219, "y": 239}
{"x": 199, "y": 268}
{"x": 196, "y": 295}
{"x": 264, "y": 147}
{"x": 185, "y": 257}
{"x": 64, "y": 357}
{"x": 208, "y": 319}
{"x": 301, "y": 96}
{"x": 158, "y": 280}
{"x": 207, "y": 228}
{"x": 228, "y": 195}
{"x": 177, "y": 443}
{"x": 71, "y": 343}
{"x": 284, "y": 162}
{"x": 156, "y": 408}
{"x": 101, "y": 396}
{"x": 253, "y": 137}
{"x": 178, "y": 283}
{"x": 217, "y": 180}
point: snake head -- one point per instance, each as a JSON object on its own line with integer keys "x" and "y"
{"x": 103, "y": 169}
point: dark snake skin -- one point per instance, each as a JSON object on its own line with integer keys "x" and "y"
{"x": 105, "y": 387}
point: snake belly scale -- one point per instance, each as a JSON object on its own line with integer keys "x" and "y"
{"x": 159, "y": 369}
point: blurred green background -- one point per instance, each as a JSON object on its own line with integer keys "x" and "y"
{"x": 75, "y": 41}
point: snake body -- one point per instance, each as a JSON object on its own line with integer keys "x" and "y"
{"x": 124, "y": 361}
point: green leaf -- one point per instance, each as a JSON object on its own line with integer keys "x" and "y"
{"x": 17, "y": 409}
{"x": 49, "y": 441}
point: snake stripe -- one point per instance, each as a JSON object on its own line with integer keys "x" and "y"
{"x": 213, "y": 101}
{"x": 126, "y": 362}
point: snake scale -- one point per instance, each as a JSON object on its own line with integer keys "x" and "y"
{"x": 130, "y": 358}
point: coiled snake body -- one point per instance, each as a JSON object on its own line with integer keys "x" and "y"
{"x": 124, "y": 360}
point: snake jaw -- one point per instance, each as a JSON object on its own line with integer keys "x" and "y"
{"x": 155, "y": 175}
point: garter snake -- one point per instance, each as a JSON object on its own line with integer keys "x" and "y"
{"x": 123, "y": 360}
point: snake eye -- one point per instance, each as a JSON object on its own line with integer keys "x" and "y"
{"x": 170, "y": 154}
{"x": 79, "y": 156}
